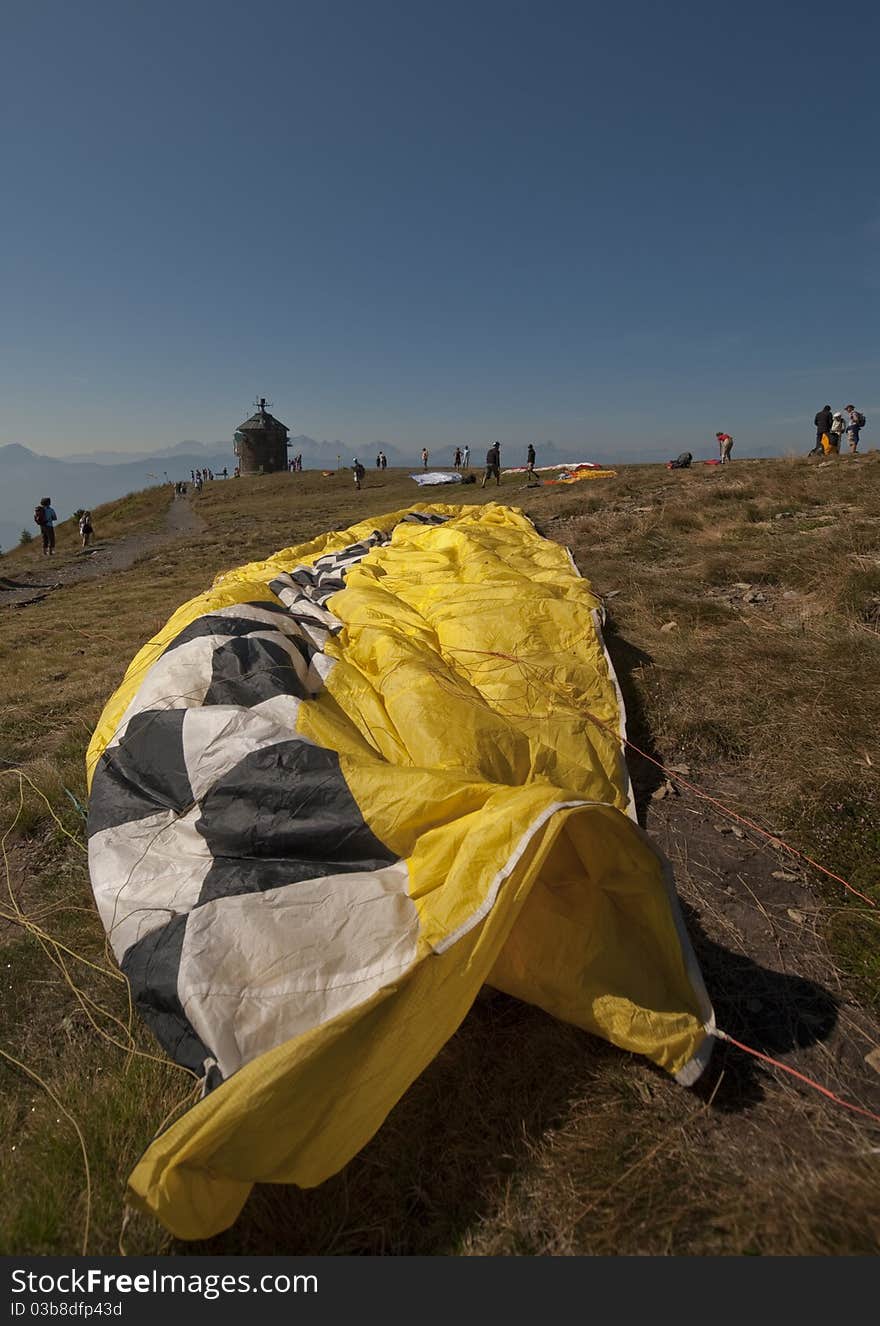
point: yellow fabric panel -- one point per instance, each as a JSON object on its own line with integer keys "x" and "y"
{"x": 517, "y": 671}
{"x": 598, "y": 943}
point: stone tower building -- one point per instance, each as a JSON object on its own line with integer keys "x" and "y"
{"x": 261, "y": 443}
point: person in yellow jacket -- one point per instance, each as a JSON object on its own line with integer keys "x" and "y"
{"x": 823, "y": 428}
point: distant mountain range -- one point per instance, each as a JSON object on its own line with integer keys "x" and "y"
{"x": 87, "y": 479}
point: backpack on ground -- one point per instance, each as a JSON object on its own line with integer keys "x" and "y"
{"x": 39, "y": 515}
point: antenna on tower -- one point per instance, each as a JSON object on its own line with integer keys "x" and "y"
{"x": 261, "y": 404}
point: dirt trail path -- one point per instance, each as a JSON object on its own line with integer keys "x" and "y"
{"x": 105, "y": 558}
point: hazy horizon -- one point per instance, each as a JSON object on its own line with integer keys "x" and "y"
{"x": 647, "y": 452}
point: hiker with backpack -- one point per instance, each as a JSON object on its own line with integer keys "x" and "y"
{"x": 45, "y": 518}
{"x": 85, "y": 527}
{"x": 359, "y": 473}
{"x": 856, "y": 423}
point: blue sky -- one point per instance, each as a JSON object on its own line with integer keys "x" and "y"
{"x": 437, "y": 223}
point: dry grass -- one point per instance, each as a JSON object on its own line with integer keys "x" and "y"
{"x": 524, "y": 1136}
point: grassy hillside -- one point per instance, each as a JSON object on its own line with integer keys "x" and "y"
{"x": 744, "y": 620}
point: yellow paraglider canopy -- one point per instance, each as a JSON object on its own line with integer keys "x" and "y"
{"x": 336, "y": 794}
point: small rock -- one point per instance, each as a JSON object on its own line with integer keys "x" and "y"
{"x": 873, "y": 1060}
{"x": 783, "y": 874}
{"x": 790, "y": 594}
{"x": 796, "y": 916}
{"x": 679, "y": 769}
{"x": 669, "y": 626}
{"x": 737, "y": 831}
{"x": 665, "y": 790}
{"x": 740, "y": 584}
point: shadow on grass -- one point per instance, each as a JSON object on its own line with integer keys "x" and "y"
{"x": 768, "y": 1010}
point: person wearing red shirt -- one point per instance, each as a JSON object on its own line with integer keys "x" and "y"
{"x": 725, "y": 446}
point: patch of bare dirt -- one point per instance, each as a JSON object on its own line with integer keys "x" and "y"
{"x": 758, "y": 923}
{"x": 104, "y": 558}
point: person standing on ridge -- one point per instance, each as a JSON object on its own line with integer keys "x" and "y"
{"x": 493, "y": 464}
{"x": 837, "y": 430}
{"x": 384, "y": 460}
{"x": 378, "y": 460}
{"x": 86, "y": 529}
{"x": 466, "y": 458}
{"x": 424, "y": 458}
{"x": 359, "y": 473}
{"x": 823, "y": 422}
{"x": 45, "y": 517}
{"x": 457, "y": 460}
{"x": 725, "y": 446}
{"x": 856, "y": 423}
{"x": 530, "y": 459}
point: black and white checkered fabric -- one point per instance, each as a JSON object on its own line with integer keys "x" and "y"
{"x": 228, "y": 857}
